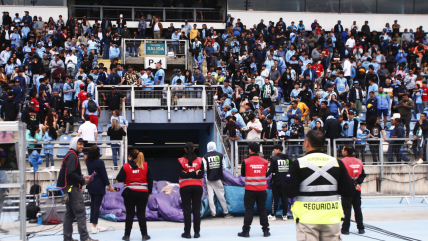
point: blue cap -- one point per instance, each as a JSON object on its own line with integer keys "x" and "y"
{"x": 73, "y": 48}
{"x": 60, "y": 48}
{"x": 229, "y": 96}
{"x": 235, "y": 110}
{"x": 271, "y": 46}
{"x": 356, "y": 82}
{"x": 45, "y": 54}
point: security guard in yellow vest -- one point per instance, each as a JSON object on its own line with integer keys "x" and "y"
{"x": 317, "y": 182}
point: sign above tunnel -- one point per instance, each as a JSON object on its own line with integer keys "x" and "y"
{"x": 155, "y": 49}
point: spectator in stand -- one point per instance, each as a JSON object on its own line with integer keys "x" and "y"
{"x": 417, "y": 97}
{"x": 30, "y": 116}
{"x": 81, "y": 97}
{"x": 49, "y": 136}
{"x": 394, "y": 147}
{"x": 88, "y": 132}
{"x": 376, "y": 132}
{"x": 297, "y": 131}
{"x": 420, "y": 133}
{"x": 116, "y": 132}
{"x": 91, "y": 108}
{"x": 382, "y": 100}
{"x": 64, "y": 122}
{"x": 113, "y": 100}
{"x": 33, "y": 136}
{"x": 405, "y": 106}
{"x": 360, "y": 145}
{"x": 10, "y": 109}
{"x": 122, "y": 120}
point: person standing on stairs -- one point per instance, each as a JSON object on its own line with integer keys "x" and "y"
{"x": 215, "y": 163}
{"x": 91, "y": 108}
{"x": 88, "y": 131}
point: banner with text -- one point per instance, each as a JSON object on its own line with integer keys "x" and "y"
{"x": 155, "y": 49}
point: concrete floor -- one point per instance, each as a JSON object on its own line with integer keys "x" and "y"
{"x": 408, "y": 220}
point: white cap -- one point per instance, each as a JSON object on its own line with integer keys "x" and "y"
{"x": 121, "y": 15}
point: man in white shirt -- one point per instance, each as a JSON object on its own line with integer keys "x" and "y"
{"x": 347, "y": 69}
{"x": 351, "y": 43}
{"x": 265, "y": 72}
{"x": 254, "y": 127}
{"x": 88, "y": 132}
{"x": 157, "y": 29}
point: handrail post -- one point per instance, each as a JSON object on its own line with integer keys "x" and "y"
{"x": 334, "y": 148}
{"x": 194, "y": 15}
{"x": 328, "y": 147}
{"x": 101, "y": 12}
{"x": 164, "y": 15}
{"x": 168, "y": 101}
{"x": 96, "y": 94}
{"x": 236, "y": 157}
{"x": 132, "y": 14}
{"x": 133, "y": 103}
{"x": 204, "y": 100}
{"x": 381, "y": 156}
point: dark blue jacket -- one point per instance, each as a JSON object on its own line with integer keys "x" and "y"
{"x": 314, "y": 75}
{"x": 399, "y": 132}
{"x": 353, "y": 94}
{"x": 98, "y": 185}
{"x": 17, "y": 93}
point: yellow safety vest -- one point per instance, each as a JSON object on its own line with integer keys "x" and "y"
{"x": 322, "y": 208}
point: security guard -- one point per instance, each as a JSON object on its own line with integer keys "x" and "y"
{"x": 279, "y": 167}
{"x": 317, "y": 180}
{"x": 254, "y": 170}
{"x": 356, "y": 172}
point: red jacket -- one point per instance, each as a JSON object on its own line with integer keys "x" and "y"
{"x": 354, "y": 166}
{"x": 196, "y": 165}
{"x": 255, "y": 174}
{"x": 136, "y": 179}
{"x": 425, "y": 94}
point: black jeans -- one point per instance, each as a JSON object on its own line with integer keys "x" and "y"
{"x": 191, "y": 204}
{"x": 251, "y": 198}
{"x": 95, "y": 207}
{"x": 374, "y": 149}
{"x": 136, "y": 200}
{"x": 277, "y": 193}
{"x": 360, "y": 149}
{"x": 348, "y": 204}
{"x": 406, "y": 121}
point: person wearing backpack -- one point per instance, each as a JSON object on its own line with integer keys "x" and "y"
{"x": 92, "y": 109}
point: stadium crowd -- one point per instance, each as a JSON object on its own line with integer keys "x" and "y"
{"x": 340, "y": 80}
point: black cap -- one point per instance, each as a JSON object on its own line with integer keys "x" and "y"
{"x": 254, "y": 147}
{"x": 82, "y": 140}
{"x": 89, "y": 94}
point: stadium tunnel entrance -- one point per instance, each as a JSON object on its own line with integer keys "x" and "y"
{"x": 162, "y": 144}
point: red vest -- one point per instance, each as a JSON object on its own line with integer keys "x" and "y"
{"x": 136, "y": 179}
{"x": 354, "y": 166}
{"x": 196, "y": 165}
{"x": 255, "y": 174}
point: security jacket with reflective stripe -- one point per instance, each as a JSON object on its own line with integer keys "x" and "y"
{"x": 317, "y": 193}
{"x": 254, "y": 170}
{"x": 122, "y": 175}
{"x": 188, "y": 176}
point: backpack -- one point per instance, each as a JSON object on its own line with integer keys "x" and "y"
{"x": 92, "y": 106}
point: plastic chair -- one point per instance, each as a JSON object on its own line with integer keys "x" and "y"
{"x": 65, "y": 138}
{"x": 100, "y": 128}
{"x": 62, "y": 152}
{"x": 278, "y": 109}
{"x": 283, "y": 117}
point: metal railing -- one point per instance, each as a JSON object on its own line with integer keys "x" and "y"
{"x": 167, "y": 47}
{"x": 387, "y": 181}
{"x": 163, "y": 97}
{"x": 134, "y": 13}
{"x": 420, "y": 181}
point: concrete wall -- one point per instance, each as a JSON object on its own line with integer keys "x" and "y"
{"x": 328, "y": 20}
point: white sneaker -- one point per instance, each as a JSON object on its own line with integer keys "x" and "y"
{"x": 176, "y": 108}
{"x": 184, "y": 108}
{"x": 101, "y": 229}
{"x": 420, "y": 161}
{"x": 284, "y": 218}
{"x": 95, "y": 230}
{"x": 271, "y": 218}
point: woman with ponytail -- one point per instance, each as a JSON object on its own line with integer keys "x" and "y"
{"x": 138, "y": 184}
{"x": 191, "y": 189}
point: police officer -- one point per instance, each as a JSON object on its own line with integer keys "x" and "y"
{"x": 355, "y": 170}
{"x": 317, "y": 180}
{"x": 254, "y": 170}
{"x": 191, "y": 189}
{"x": 214, "y": 165}
{"x": 138, "y": 184}
{"x": 279, "y": 166}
